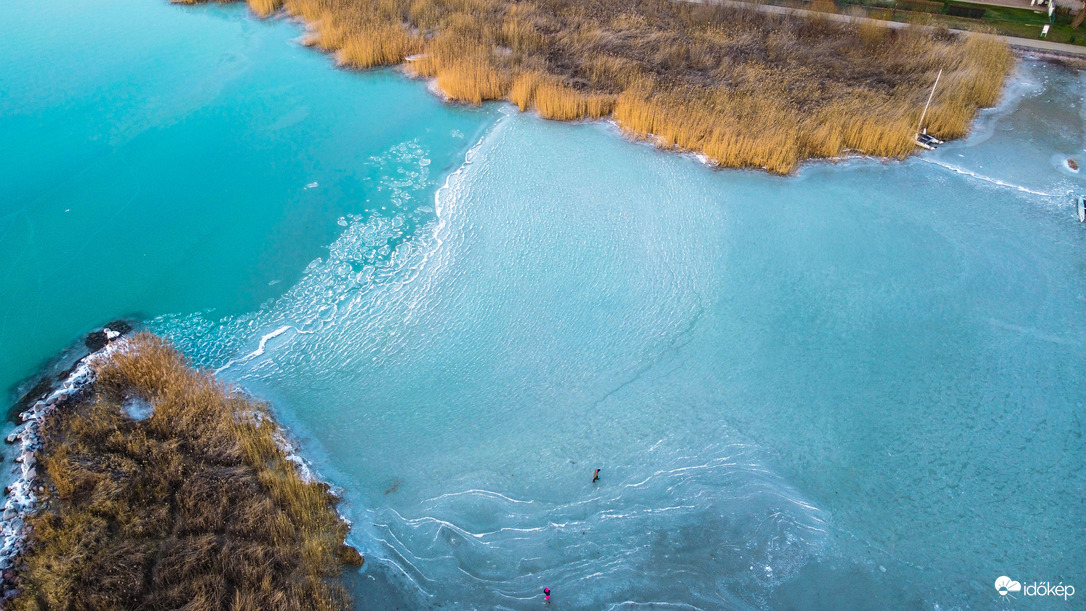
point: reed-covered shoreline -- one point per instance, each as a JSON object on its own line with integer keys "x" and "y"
{"x": 152, "y": 485}
{"x": 744, "y": 88}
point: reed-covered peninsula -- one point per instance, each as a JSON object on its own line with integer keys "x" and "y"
{"x": 161, "y": 488}
{"x": 744, "y": 88}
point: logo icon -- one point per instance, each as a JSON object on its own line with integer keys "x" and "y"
{"x": 1005, "y": 585}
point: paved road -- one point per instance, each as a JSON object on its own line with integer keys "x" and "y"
{"x": 1057, "y": 48}
{"x": 1019, "y": 43}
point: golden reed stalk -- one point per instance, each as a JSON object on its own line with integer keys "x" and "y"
{"x": 195, "y": 507}
{"x": 746, "y": 89}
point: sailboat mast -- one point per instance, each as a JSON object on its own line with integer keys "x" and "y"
{"x": 930, "y": 96}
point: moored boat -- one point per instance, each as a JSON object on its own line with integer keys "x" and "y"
{"x": 926, "y": 140}
{"x": 922, "y": 138}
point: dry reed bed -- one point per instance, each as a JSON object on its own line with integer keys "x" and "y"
{"x": 195, "y": 507}
{"x": 746, "y": 89}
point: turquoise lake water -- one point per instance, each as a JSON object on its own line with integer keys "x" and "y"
{"x": 857, "y": 387}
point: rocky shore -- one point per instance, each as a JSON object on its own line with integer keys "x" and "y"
{"x": 23, "y": 494}
{"x": 33, "y": 500}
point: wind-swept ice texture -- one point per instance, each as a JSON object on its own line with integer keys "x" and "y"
{"x": 478, "y": 372}
{"x": 163, "y": 159}
{"x": 843, "y": 389}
